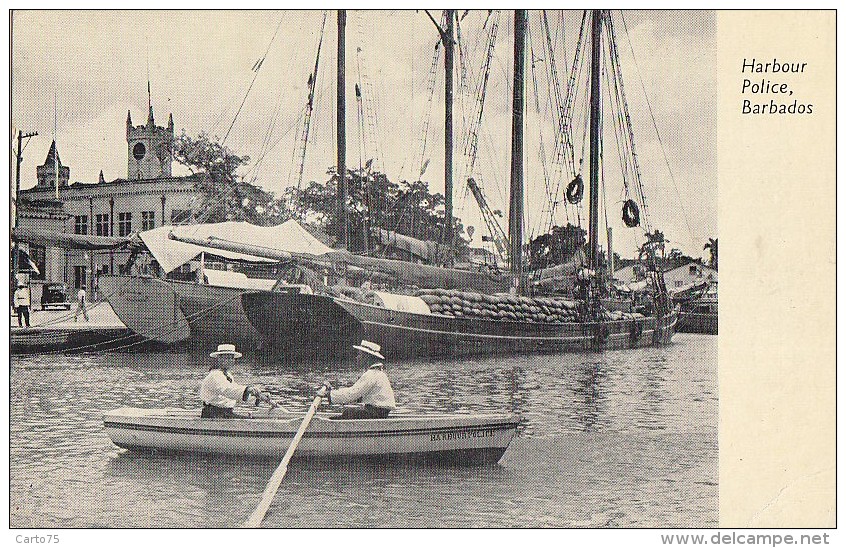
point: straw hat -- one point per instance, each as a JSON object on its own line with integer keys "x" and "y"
{"x": 370, "y": 347}
{"x": 226, "y": 350}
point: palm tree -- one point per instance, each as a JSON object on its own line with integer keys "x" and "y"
{"x": 711, "y": 246}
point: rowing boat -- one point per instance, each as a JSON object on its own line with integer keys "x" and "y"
{"x": 431, "y": 438}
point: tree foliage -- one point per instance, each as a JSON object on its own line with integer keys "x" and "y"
{"x": 711, "y": 246}
{"x": 227, "y": 196}
{"x": 556, "y": 247}
{"x": 374, "y": 201}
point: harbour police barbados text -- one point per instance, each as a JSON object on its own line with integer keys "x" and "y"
{"x": 463, "y": 435}
{"x": 37, "y": 539}
{"x": 766, "y": 86}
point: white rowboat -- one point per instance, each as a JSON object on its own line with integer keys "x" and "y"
{"x": 432, "y": 438}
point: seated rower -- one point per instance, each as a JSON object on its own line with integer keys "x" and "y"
{"x": 219, "y": 392}
{"x": 373, "y": 388}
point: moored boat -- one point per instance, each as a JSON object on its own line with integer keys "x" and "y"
{"x": 699, "y": 316}
{"x": 432, "y": 438}
{"x": 318, "y": 326}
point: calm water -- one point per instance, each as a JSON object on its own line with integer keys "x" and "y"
{"x": 624, "y": 438}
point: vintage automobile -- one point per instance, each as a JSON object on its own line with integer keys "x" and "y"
{"x": 56, "y": 295}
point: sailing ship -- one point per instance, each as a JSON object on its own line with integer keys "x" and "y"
{"x": 454, "y": 322}
{"x": 191, "y": 293}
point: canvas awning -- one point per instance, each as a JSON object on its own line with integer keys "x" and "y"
{"x": 172, "y": 253}
{"x": 67, "y": 240}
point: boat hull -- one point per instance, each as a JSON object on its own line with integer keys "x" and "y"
{"x": 695, "y": 322}
{"x": 170, "y": 311}
{"x": 148, "y": 306}
{"x": 322, "y": 326}
{"x": 215, "y": 315}
{"x": 435, "y": 438}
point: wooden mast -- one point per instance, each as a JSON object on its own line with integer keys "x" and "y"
{"x": 595, "y": 118}
{"x": 343, "y": 236}
{"x": 515, "y": 210}
{"x": 449, "y": 50}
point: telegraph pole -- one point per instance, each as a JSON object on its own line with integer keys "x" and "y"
{"x": 16, "y": 201}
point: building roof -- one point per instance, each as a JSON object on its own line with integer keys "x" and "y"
{"x": 78, "y": 185}
{"x": 53, "y": 155}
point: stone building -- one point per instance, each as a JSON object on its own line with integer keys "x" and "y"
{"x": 147, "y": 197}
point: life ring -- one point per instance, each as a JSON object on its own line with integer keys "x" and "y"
{"x": 575, "y": 190}
{"x": 636, "y": 332}
{"x": 631, "y": 213}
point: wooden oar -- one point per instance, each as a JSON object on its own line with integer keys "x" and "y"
{"x": 257, "y": 516}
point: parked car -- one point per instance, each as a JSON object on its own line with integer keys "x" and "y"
{"x": 55, "y": 294}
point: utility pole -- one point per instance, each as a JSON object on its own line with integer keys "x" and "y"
{"x": 16, "y": 203}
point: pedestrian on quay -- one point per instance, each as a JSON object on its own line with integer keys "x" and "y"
{"x": 219, "y": 392}
{"x": 22, "y": 303}
{"x": 80, "y": 305}
{"x": 373, "y": 388}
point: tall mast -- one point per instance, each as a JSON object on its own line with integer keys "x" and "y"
{"x": 515, "y": 211}
{"x": 595, "y": 117}
{"x": 449, "y": 50}
{"x": 343, "y": 237}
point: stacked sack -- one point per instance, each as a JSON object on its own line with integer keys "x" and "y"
{"x": 618, "y": 315}
{"x": 499, "y": 307}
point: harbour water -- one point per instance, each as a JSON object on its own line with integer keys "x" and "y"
{"x": 614, "y": 439}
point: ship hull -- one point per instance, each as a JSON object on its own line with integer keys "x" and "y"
{"x": 694, "y": 322}
{"x": 171, "y": 312}
{"x": 148, "y": 306}
{"x": 321, "y": 326}
{"x": 216, "y": 315}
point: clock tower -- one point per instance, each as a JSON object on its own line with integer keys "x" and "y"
{"x": 150, "y": 148}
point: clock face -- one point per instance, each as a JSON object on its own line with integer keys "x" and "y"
{"x": 139, "y": 150}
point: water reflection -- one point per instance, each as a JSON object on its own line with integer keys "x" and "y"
{"x": 619, "y": 438}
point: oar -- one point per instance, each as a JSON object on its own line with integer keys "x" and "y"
{"x": 257, "y": 516}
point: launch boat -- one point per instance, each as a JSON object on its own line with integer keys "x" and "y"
{"x": 428, "y": 438}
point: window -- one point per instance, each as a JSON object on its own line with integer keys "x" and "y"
{"x": 180, "y": 217}
{"x": 38, "y": 255}
{"x": 101, "y": 224}
{"x": 148, "y": 220}
{"x": 80, "y": 224}
{"x": 124, "y": 224}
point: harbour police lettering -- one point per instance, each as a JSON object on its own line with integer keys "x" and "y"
{"x": 462, "y": 435}
{"x": 775, "y": 66}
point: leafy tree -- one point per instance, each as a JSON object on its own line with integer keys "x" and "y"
{"x": 556, "y": 247}
{"x": 373, "y": 202}
{"x": 711, "y": 246}
{"x": 227, "y": 196}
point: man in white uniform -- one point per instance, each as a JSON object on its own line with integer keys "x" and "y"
{"x": 373, "y": 388}
{"x": 219, "y": 392}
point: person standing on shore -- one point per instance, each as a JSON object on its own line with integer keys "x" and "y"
{"x": 22, "y": 303}
{"x": 80, "y": 305}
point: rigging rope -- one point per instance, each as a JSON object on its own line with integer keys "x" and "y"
{"x": 655, "y": 125}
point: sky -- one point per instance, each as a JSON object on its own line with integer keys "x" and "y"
{"x": 95, "y": 66}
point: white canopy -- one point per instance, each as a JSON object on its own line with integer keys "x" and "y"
{"x": 171, "y": 254}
